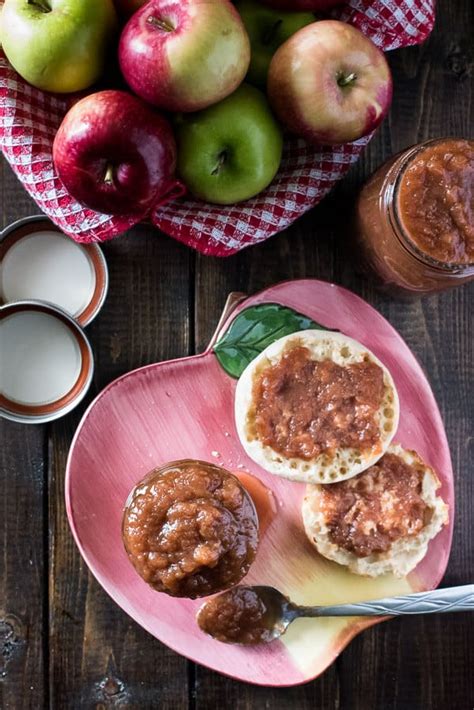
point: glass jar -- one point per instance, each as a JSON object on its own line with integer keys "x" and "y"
{"x": 403, "y": 261}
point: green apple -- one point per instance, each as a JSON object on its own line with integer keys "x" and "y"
{"x": 267, "y": 29}
{"x": 58, "y": 45}
{"x": 231, "y": 151}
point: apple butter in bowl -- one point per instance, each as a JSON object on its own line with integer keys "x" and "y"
{"x": 190, "y": 529}
{"x": 415, "y": 218}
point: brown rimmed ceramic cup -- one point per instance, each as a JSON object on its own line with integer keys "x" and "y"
{"x": 38, "y": 262}
{"x": 47, "y": 362}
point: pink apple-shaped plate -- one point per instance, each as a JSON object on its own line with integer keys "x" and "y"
{"x": 184, "y": 409}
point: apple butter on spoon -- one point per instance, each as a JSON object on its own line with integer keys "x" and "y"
{"x": 254, "y": 615}
{"x": 242, "y": 615}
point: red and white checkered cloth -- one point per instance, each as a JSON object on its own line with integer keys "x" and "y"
{"x": 29, "y": 119}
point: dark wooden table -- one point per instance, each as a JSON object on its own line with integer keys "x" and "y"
{"x": 63, "y": 642}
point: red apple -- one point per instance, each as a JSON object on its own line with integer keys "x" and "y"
{"x": 329, "y": 83}
{"x": 116, "y": 155}
{"x": 295, "y": 5}
{"x": 184, "y": 55}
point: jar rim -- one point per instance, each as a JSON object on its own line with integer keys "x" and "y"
{"x": 401, "y": 232}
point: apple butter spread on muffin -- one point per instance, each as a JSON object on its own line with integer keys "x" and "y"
{"x": 190, "y": 529}
{"x": 316, "y": 406}
{"x": 304, "y": 407}
{"x": 379, "y": 521}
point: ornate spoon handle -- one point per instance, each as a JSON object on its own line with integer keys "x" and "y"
{"x": 434, "y": 602}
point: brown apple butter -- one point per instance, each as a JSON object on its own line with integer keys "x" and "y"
{"x": 239, "y": 615}
{"x": 436, "y": 201}
{"x": 303, "y": 408}
{"x": 369, "y": 512}
{"x": 414, "y": 218}
{"x": 190, "y": 529}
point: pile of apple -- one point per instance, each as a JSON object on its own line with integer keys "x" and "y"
{"x": 209, "y": 87}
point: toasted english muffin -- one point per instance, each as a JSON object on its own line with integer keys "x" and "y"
{"x": 305, "y": 457}
{"x": 382, "y": 520}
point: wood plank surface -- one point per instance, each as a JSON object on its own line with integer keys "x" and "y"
{"x": 64, "y": 643}
{"x": 23, "y": 560}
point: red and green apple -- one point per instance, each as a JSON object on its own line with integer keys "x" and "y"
{"x": 184, "y": 55}
{"x": 329, "y": 83}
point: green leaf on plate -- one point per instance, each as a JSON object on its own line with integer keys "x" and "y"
{"x": 255, "y": 328}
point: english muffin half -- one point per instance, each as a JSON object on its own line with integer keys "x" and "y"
{"x": 316, "y": 406}
{"x": 380, "y": 521}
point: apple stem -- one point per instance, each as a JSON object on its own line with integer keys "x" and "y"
{"x": 109, "y": 175}
{"x": 42, "y": 5}
{"x": 346, "y": 79}
{"x": 271, "y": 32}
{"x": 221, "y": 158}
{"x": 165, "y": 25}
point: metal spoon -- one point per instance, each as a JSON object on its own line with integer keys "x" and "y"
{"x": 279, "y": 611}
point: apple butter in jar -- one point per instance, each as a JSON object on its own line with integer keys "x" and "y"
{"x": 415, "y": 218}
{"x": 190, "y": 529}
